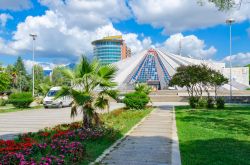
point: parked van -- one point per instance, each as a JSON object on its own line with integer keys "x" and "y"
{"x": 49, "y": 100}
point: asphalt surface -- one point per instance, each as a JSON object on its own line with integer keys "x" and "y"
{"x": 14, "y": 123}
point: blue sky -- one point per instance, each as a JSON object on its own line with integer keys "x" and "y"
{"x": 66, "y": 28}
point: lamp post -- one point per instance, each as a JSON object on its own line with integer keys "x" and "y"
{"x": 33, "y": 36}
{"x": 230, "y": 21}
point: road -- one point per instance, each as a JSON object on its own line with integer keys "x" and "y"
{"x": 14, "y": 123}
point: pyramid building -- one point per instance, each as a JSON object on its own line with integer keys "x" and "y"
{"x": 156, "y": 67}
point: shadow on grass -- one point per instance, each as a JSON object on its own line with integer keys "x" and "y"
{"x": 220, "y": 151}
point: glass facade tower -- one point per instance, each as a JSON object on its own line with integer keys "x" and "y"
{"x": 110, "y": 49}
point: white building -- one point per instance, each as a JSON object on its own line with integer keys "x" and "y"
{"x": 156, "y": 67}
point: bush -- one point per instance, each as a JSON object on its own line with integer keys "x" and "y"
{"x": 193, "y": 102}
{"x": 3, "y": 102}
{"x": 202, "y": 103}
{"x": 210, "y": 103}
{"x": 21, "y": 100}
{"x": 220, "y": 103}
{"x": 136, "y": 100}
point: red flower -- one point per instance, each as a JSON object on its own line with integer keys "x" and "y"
{"x": 44, "y": 134}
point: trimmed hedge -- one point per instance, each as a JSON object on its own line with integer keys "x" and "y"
{"x": 136, "y": 100}
{"x": 210, "y": 103}
{"x": 21, "y": 100}
{"x": 193, "y": 101}
{"x": 202, "y": 103}
{"x": 220, "y": 103}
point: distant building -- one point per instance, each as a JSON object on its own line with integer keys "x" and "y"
{"x": 156, "y": 67}
{"x": 111, "y": 49}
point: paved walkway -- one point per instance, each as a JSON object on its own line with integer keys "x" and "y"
{"x": 149, "y": 144}
{"x": 14, "y": 123}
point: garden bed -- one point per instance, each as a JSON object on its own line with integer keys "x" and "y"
{"x": 214, "y": 137}
{"x": 69, "y": 143}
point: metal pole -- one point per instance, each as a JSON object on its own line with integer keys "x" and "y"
{"x": 33, "y": 69}
{"x": 231, "y": 91}
{"x": 33, "y": 58}
{"x": 230, "y": 22}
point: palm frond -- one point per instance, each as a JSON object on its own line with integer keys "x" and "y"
{"x": 80, "y": 97}
{"x": 68, "y": 73}
{"x": 84, "y": 67}
{"x": 44, "y": 88}
{"x": 107, "y": 72}
{"x": 95, "y": 65}
{"x": 65, "y": 91}
{"x": 101, "y": 102}
{"x": 111, "y": 93}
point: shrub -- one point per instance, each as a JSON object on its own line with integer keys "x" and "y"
{"x": 210, "y": 103}
{"x": 21, "y": 100}
{"x": 143, "y": 88}
{"x": 193, "y": 102}
{"x": 136, "y": 100}
{"x": 202, "y": 103}
{"x": 220, "y": 103}
{"x": 3, "y": 102}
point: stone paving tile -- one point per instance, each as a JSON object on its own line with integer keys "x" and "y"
{"x": 149, "y": 144}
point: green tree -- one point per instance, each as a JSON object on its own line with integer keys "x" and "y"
{"x": 58, "y": 79}
{"x": 39, "y": 77}
{"x": 217, "y": 80}
{"x": 197, "y": 78}
{"x": 10, "y": 70}
{"x": 23, "y": 81}
{"x": 5, "y": 79}
{"x": 222, "y": 5}
{"x": 19, "y": 66}
{"x": 86, "y": 78}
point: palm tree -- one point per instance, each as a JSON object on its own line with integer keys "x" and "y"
{"x": 91, "y": 87}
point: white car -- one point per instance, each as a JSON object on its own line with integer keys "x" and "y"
{"x": 50, "y": 101}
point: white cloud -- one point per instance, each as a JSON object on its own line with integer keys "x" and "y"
{"x": 240, "y": 59}
{"x": 135, "y": 44}
{"x": 5, "y": 47}
{"x": 188, "y": 46}
{"x": 59, "y": 38}
{"x": 15, "y": 5}
{"x": 181, "y": 15}
{"x": 45, "y": 65}
{"x": 88, "y": 14}
{"x": 4, "y": 17}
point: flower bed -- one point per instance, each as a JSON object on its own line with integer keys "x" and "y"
{"x": 68, "y": 143}
{"x": 62, "y": 144}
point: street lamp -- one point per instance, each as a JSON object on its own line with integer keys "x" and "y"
{"x": 230, "y": 21}
{"x": 33, "y": 36}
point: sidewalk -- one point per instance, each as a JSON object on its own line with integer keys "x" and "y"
{"x": 149, "y": 144}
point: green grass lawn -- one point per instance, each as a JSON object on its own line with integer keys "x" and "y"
{"x": 214, "y": 137}
{"x": 10, "y": 108}
{"x": 122, "y": 121}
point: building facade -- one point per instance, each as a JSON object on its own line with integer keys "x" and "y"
{"x": 111, "y": 49}
{"x": 157, "y": 66}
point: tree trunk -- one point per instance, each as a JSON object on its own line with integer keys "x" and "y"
{"x": 87, "y": 118}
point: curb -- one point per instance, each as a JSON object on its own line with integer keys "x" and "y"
{"x": 111, "y": 148}
{"x": 176, "y": 157}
